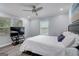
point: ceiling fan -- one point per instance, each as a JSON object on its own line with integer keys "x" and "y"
{"x": 34, "y": 9}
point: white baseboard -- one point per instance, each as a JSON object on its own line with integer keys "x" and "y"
{"x": 5, "y": 44}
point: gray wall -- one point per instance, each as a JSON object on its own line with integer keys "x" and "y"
{"x": 5, "y": 40}
{"x": 26, "y": 24}
{"x": 58, "y": 24}
{"x": 32, "y": 27}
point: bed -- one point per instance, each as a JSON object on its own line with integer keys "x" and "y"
{"x": 47, "y": 46}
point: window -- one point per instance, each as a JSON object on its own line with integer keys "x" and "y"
{"x": 4, "y": 25}
{"x": 44, "y": 27}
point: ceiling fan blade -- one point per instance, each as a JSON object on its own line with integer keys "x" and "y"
{"x": 27, "y": 10}
{"x": 30, "y": 4}
{"x": 37, "y": 9}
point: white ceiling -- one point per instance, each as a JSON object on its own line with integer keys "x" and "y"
{"x": 49, "y": 9}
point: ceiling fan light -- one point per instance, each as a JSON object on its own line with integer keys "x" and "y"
{"x": 61, "y": 9}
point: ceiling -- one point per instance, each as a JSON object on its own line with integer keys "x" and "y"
{"x": 49, "y": 9}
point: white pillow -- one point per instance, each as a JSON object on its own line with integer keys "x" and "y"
{"x": 76, "y": 43}
{"x": 67, "y": 33}
{"x": 68, "y": 41}
{"x": 71, "y": 39}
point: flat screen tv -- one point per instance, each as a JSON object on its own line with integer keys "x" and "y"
{"x": 18, "y": 30}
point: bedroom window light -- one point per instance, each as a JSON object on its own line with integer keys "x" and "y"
{"x": 44, "y": 27}
{"x": 4, "y": 25}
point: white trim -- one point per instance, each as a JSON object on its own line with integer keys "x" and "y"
{"x": 5, "y": 44}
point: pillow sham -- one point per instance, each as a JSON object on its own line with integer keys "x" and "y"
{"x": 76, "y": 43}
{"x": 71, "y": 39}
{"x": 68, "y": 41}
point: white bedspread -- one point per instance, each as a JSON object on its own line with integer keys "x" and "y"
{"x": 48, "y": 46}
